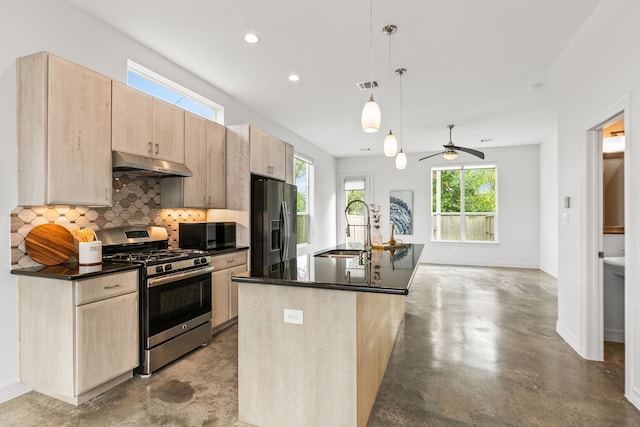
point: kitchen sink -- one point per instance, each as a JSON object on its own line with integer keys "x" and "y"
{"x": 341, "y": 253}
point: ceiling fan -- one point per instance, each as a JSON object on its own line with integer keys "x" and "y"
{"x": 451, "y": 151}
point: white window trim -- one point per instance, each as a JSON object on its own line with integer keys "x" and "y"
{"x": 304, "y": 248}
{"x": 462, "y": 166}
{"x": 157, "y": 78}
{"x": 368, "y": 192}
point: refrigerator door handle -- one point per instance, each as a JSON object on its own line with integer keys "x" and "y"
{"x": 284, "y": 248}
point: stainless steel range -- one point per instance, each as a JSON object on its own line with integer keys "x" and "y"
{"x": 175, "y": 289}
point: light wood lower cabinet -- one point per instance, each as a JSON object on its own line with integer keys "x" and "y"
{"x": 78, "y": 338}
{"x": 224, "y": 292}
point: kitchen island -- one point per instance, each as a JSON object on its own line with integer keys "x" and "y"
{"x": 315, "y": 336}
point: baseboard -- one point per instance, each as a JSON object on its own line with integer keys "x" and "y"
{"x": 11, "y": 390}
{"x": 635, "y": 397}
{"x": 471, "y": 263}
{"x": 569, "y": 338}
{"x": 614, "y": 335}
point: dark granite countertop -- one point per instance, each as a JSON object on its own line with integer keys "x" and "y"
{"x": 389, "y": 272}
{"x": 74, "y": 271}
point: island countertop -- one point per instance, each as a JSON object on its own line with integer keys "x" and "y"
{"x": 388, "y": 271}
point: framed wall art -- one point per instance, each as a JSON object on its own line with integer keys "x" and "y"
{"x": 401, "y": 211}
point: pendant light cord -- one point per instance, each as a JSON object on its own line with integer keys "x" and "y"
{"x": 401, "y": 134}
{"x": 371, "y": 45}
{"x": 390, "y": 109}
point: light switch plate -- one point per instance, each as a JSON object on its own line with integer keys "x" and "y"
{"x": 293, "y": 316}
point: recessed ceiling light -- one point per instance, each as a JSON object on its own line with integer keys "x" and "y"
{"x": 294, "y": 77}
{"x": 251, "y": 38}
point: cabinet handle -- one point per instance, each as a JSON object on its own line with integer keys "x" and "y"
{"x": 229, "y": 261}
{"x": 149, "y": 148}
{"x": 112, "y": 287}
{"x": 106, "y": 193}
{"x": 157, "y": 148}
{"x": 135, "y": 305}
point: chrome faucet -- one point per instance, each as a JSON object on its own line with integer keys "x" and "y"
{"x": 367, "y": 237}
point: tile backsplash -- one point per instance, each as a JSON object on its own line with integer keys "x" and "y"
{"x": 136, "y": 200}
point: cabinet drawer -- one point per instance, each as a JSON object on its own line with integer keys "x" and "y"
{"x": 107, "y": 286}
{"x": 221, "y": 262}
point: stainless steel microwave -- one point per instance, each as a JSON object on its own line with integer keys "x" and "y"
{"x": 207, "y": 235}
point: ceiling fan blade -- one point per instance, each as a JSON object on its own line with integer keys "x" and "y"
{"x": 470, "y": 151}
{"x": 432, "y": 155}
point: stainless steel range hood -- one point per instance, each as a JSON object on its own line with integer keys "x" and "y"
{"x": 147, "y": 166}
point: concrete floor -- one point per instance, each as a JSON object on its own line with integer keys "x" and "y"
{"x": 477, "y": 347}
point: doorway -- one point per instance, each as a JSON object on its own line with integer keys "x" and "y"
{"x": 605, "y": 231}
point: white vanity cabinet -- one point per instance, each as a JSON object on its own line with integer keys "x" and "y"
{"x": 78, "y": 338}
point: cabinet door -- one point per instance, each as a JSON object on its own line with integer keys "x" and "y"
{"x": 195, "y": 148}
{"x": 219, "y": 297}
{"x": 289, "y": 166}
{"x": 238, "y": 176}
{"x": 132, "y": 114}
{"x": 79, "y": 135}
{"x": 216, "y": 152}
{"x": 168, "y": 132}
{"x": 107, "y": 340}
{"x": 233, "y": 290}
{"x": 267, "y": 154}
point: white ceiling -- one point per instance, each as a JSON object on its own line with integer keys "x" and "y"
{"x": 469, "y": 62}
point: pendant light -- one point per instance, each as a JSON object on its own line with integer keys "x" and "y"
{"x": 390, "y": 141}
{"x": 371, "y": 111}
{"x": 401, "y": 158}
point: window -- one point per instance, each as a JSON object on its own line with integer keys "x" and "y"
{"x": 303, "y": 169}
{"x": 160, "y": 87}
{"x": 463, "y": 203}
{"x": 355, "y": 189}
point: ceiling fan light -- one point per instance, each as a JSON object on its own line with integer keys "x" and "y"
{"x": 390, "y": 145}
{"x": 401, "y": 160}
{"x": 449, "y": 155}
{"x": 371, "y": 116}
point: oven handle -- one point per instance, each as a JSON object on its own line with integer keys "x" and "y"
{"x": 178, "y": 276}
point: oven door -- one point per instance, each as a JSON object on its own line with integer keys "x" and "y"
{"x": 177, "y": 303}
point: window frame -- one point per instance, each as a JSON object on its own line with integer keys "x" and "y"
{"x": 463, "y": 213}
{"x": 153, "y": 77}
{"x": 310, "y": 198}
{"x": 342, "y": 205}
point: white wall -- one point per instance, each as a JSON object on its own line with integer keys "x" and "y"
{"x": 29, "y": 26}
{"x": 598, "y": 68}
{"x": 549, "y": 205}
{"x": 518, "y": 205}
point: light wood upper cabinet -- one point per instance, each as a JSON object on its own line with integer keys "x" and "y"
{"x": 145, "y": 125}
{"x": 64, "y": 133}
{"x": 267, "y": 154}
{"x": 168, "y": 131}
{"x": 217, "y": 164}
{"x": 238, "y": 173}
{"x": 288, "y": 163}
{"x": 205, "y": 147}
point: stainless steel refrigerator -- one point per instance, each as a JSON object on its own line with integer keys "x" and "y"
{"x": 273, "y": 227}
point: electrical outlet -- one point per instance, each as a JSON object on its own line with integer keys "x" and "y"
{"x": 293, "y": 316}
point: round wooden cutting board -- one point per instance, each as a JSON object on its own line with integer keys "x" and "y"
{"x": 50, "y": 244}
